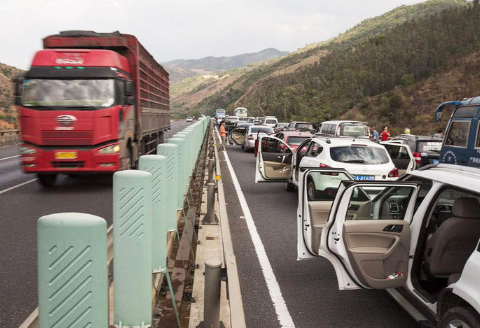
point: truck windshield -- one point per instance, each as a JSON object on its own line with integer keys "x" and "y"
{"x": 68, "y": 93}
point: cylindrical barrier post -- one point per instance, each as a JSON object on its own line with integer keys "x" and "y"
{"x": 132, "y": 237}
{"x": 170, "y": 151}
{"x": 186, "y": 167}
{"x": 211, "y": 167}
{"x": 180, "y": 142}
{"x": 211, "y": 307}
{"x": 72, "y": 271}
{"x": 157, "y": 166}
{"x": 210, "y": 217}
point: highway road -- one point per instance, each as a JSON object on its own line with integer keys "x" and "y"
{"x": 22, "y": 202}
{"x": 306, "y": 292}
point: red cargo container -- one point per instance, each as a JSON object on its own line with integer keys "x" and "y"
{"x": 91, "y": 102}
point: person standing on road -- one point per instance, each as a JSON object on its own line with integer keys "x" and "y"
{"x": 375, "y": 135}
{"x": 385, "y": 135}
{"x": 222, "y": 135}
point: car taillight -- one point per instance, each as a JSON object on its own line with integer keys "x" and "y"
{"x": 323, "y": 166}
{"x": 393, "y": 173}
{"x": 250, "y": 137}
{"x": 418, "y": 157}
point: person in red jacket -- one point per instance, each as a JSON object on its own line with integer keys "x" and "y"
{"x": 385, "y": 135}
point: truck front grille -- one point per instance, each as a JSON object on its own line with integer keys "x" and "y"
{"x": 68, "y": 165}
{"x": 73, "y": 138}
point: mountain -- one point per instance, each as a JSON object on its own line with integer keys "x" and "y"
{"x": 8, "y": 112}
{"x": 392, "y": 69}
{"x": 183, "y": 68}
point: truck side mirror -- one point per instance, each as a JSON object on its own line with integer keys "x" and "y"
{"x": 129, "y": 100}
{"x": 17, "y": 90}
{"x": 128, "y": 88}
{"x": 438, "y": 116}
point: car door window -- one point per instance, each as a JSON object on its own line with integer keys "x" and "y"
{"x": 314, "y": 150}
{"x": 379, "y": 203}
{"x": 458, "y": 134}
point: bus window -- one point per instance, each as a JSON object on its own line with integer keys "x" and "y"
{"x": 458, "y": 134}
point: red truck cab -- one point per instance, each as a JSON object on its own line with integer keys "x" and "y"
{"x": 90, "y": 104}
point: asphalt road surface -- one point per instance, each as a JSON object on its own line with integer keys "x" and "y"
{"x": 22, "y": 202}
{"x": 309, "y": 288}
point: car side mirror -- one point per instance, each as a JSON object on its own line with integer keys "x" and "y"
{"x": 128, "y": 88}
{"x": 129, "y": 100}
{"x": 438, "y": 116}
{"x": 17, "y": 90}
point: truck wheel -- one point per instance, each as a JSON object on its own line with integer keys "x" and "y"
{"x": 47, "y": 180}
{"x": 460, "y": 317}
{"x": 289, "y": 186}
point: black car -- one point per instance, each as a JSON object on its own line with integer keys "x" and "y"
{"x": 425, "y": 149}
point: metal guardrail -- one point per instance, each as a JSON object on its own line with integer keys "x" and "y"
{"x": 237, "y": 315}
{"x": 52, "y": 231}
{"x": 9, "y": 137}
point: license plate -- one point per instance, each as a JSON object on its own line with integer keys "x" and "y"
{"x": 436, "y": 161}
{"x": 66, "y": 155}
{"x": 364, "y": 177}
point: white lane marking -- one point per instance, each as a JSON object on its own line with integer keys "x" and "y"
{"x": 15, "y": 187}
{"x": 273, "y": 288}
{"x": 5, "y": 158}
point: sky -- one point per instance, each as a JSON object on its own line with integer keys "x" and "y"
{"x": 184, "y": 29}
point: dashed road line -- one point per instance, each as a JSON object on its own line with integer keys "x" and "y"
{"x": 17, "y": 186}
{"x": 5, "y": 158}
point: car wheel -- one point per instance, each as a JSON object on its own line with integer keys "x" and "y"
{"x": 289, "y": 186}
{"x": 311, "y": 189}
{"x": 47, "y": 180}
{"x": 460, "y": 317}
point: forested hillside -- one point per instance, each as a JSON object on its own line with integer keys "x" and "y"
{"x": 393, "y": 69}
{"x": 8, "y": 114}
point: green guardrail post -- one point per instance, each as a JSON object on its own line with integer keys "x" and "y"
{"x": 170, "y": 151}
{"x": 132, "y": 251}
{"x": 189, "y": 151}
{"x": 180, "y": 142}
{"x": 157, "y": 166}
{"x": 186, "y": 168}
{"x": 72, "y": 271}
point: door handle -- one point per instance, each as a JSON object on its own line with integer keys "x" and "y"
{"x": 393, "y": 228}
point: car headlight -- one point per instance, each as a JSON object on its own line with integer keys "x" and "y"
{"x": 27, "y": 150}
{"x": 112, "y": 149}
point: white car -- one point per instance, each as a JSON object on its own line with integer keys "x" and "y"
{"x": 365, "y": 160}
{"x": 417, "y": 238}
{"x": 270, "y": 121}
{"x": 189, "y": 119}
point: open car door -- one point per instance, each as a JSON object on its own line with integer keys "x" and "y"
{"x": 238, "y": 135}
{"x": 274, "y": 160}
{"x": 367, "y": 234}
{"x": 401, "y": 156}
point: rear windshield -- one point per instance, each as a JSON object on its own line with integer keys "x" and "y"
{"x": 270, "y": 121}
{"x": 261, "y": 130}
{"x": 359, "y": 155}
{"x": 304, "y": 126}
{"x": 425, "y": 146}
{"x": 296, "y": 140}
{"x": 353, "y": 130}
